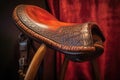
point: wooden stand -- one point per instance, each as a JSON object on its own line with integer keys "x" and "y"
{"x": 95, "y": 70}
{"x": 64, "y": 68}
{"x": 35, "y": 63}
{"x": 38, "y": 57}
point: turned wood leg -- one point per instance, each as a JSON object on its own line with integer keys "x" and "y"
{"x": 35, "y": 63}
{"x": 95, "y": 70}
{"x": 64, "y": 68}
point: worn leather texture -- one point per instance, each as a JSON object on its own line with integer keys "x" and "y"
{"x": 69, "y": 38}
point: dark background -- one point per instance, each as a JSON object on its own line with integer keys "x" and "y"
{"x": 9, "y": 37}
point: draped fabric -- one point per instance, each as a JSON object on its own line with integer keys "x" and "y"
{"x": 107, "y": 14}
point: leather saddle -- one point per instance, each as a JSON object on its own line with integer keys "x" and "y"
{"x": 79, "y": 42}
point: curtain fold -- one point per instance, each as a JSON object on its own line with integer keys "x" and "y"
{"x": 107, "y": 14}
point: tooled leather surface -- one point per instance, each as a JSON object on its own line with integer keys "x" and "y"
{"x": 78, "y": 35}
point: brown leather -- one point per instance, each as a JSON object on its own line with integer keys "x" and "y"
{"x": 70, "y": 38}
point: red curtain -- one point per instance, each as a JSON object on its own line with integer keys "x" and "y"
{"x": 107, "y": 14}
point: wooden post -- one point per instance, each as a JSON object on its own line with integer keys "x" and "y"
{"x": 95, "y": 70}
{"x": 35, "y": 63}
{"x": 64, "y": 68}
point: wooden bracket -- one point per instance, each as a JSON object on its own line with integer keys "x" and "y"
{"x": 35, "y": 63}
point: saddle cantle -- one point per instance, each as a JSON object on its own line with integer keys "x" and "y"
{"x": 78, "y": 41}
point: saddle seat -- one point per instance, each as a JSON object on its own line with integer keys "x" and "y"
{"x": 78, "y": 41}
